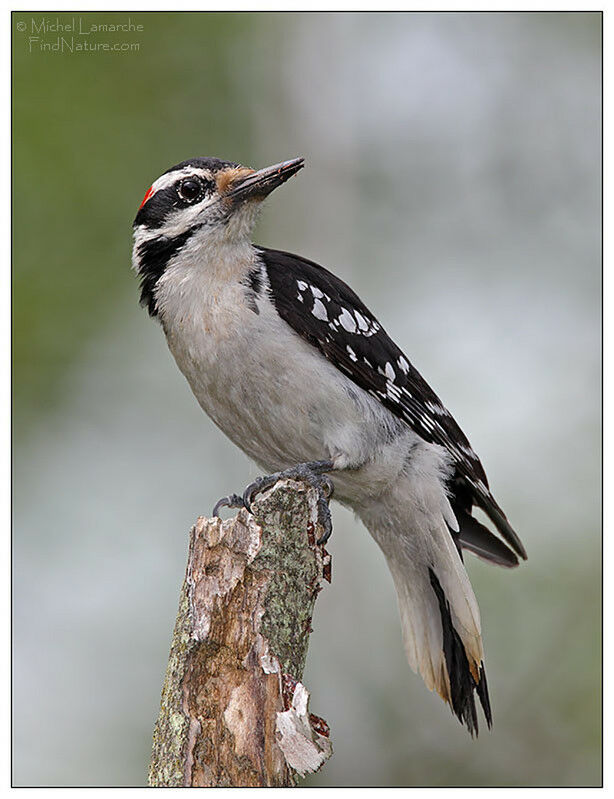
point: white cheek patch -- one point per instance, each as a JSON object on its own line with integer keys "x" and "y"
{"x": 181, "y": 219}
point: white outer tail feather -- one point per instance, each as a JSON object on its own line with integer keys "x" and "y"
{"x": 411, "y": 525}
{"x": 421, "y": 617}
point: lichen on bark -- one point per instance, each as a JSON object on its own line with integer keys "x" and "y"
{"x": 295, "y": 575}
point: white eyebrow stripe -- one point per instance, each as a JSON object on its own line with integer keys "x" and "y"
{"x": 166, "y": 180}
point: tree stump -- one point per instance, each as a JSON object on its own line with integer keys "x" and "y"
{"x": 234, "y": 712}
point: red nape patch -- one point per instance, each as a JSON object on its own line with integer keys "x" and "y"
{"x": 150, "y": 191}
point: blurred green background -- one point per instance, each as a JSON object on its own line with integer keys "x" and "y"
{"x": 454, "y": 179}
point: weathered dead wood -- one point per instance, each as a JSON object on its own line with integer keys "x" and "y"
{"x": 234, "y": 711}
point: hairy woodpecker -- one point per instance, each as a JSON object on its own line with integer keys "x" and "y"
{"x": 294, "y": 369}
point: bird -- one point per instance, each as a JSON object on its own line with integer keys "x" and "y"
{"x": 293, "y": 367}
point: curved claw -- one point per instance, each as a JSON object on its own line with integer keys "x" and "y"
{"x": 324, "y": 517}
{"x": 324, "y": 538}
{"x": 257, "y": 487}
{"x": 248, "y": 496}
{"x": 231, "y": 501}
{"x": 312, "y": 473}
{"x": 328, "y": 487}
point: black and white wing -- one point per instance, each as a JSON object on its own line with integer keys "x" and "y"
{"x": 325, "y": 311}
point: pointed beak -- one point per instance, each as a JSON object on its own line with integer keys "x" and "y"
{"x": 260, "y": 184}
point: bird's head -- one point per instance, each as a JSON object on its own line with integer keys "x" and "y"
{"x": 203, "y": 203}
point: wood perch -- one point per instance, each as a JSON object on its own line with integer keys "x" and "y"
{"x": 234, "y": 712}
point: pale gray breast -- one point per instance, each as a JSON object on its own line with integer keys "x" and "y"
{"x": 273, "y": 394}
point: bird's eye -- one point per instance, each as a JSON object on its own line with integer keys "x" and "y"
{"x": 190, "y": 189}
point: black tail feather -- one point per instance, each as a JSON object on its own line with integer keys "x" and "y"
{"x": 478, "y": 539}
{"x": 482, "y": 690}
{"x": 463, "y": 685}
{"x": 485, "y": 500}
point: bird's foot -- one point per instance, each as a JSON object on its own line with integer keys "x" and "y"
{"x": 312, "y": 473}
{"x": 231, "y": 501}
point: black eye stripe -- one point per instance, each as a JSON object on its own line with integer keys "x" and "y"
{"x": 164, "y": 202}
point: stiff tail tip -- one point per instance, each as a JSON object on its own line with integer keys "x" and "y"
{"x": 464, "y": 679}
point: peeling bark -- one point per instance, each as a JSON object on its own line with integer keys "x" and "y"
{"x": 234, "y": 712}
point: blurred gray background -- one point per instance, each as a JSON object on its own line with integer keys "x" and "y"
{"x": 454, "y": 179}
